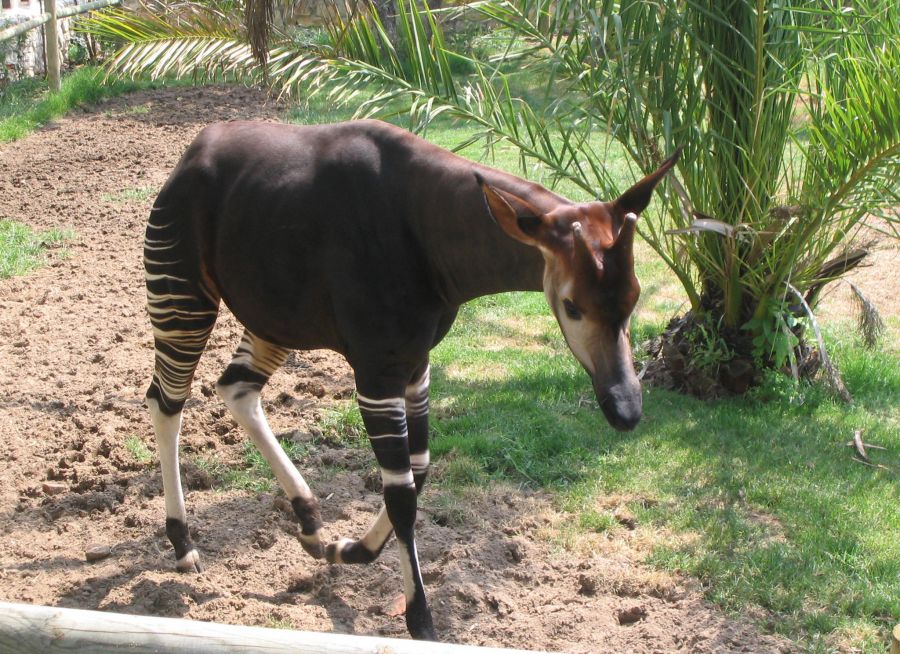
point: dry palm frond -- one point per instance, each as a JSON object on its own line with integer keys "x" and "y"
{"x": 831, "y": 372}
{"x": 258, "y": 16}
{"x": 871, "y": 326}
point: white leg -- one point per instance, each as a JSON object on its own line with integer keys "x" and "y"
{"x": 243, "y": 400}
{"x": 167, "y": 429}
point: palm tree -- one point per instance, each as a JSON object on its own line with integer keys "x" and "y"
{"x": 789, "y": 116}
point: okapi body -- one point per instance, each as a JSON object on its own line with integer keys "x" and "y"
{"x": 365, "y": 239}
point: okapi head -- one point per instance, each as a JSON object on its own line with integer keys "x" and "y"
{"x": 589, "y": 281}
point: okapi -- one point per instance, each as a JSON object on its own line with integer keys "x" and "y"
{"x": 365, "y": 239}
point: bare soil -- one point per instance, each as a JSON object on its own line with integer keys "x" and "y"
{"x": 75, "y": 360}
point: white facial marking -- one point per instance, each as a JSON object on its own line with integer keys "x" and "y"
{"x": 578, "y": 333}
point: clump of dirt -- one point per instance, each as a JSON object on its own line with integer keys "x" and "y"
{"x": 78, "y": 478}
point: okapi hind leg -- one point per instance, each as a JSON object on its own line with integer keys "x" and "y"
{"x": 182, "y": 314}
{"x": 239, "y": 387}
{"x": 369, "y": 547}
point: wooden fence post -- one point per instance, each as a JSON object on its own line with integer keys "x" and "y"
{"x": 51, "y": 41}
{"x": 27, "y": 629}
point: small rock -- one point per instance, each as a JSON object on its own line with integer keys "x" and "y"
{"x": 265, "y": 539}
{"x": 314, "y": 388}
{"x": 515, "y": 551}
{"x": 54, "y": 487}
{"x": 631, "y": 615}
{"x": 97, "y": 552}
{"x": 397, "y": 606}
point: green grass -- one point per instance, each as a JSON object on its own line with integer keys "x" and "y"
{"x": 137, "y": 194}
{"x": 252, "y": 473}
{"x": 139, "y": 450}
{"x": 23, "y": 250}
{"x": 27, "y": 104}
{"x": 766, "y": 505}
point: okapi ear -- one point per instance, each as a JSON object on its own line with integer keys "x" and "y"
{"x": 636, "y": 199}
{"x": 514, "y": 215}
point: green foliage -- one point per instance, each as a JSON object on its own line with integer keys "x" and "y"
{"x": 136, "y": 194}
{"x": 199, "y": 40}
{"x": 22, "y": 250}
{"x": 254, "y": 473}
{"x": 775, "y": 333}
{"x": 597, "y": 521}
{"x": 343, "y": 424}
{"x": 709, "y": 349}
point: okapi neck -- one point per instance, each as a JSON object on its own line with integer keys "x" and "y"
{"x": 470, "y": 254}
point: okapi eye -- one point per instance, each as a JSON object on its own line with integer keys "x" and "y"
{"x": 571, "y": 310}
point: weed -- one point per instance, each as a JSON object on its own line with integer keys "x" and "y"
{"x": 597, "y": 521}
{"x": 343, "y": 425}
{"x": 275, "y": 622}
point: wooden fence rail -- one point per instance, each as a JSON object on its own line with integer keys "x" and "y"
{"x": 27, "y": 629}
{"x": 64, "y": 12}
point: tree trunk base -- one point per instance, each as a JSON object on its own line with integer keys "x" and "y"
{"x": 693, "y": 358}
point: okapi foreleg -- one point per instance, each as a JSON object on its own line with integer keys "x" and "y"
{"x": 385, "y": 420}
{"x": 369, "y": 547}
{"x": 239, "y": 387}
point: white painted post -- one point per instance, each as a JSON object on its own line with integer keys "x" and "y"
{"x": 27, "y": 629}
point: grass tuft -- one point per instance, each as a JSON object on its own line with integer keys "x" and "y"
{"x": 23, "y": 250}
{"x": 138, "y": 450}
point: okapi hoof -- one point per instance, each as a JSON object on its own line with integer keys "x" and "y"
{"x": 313, "y": 546}
{"x": 349, "y": 551}
{"x": 190, "y": 563}
{"x": 419, "y": 625}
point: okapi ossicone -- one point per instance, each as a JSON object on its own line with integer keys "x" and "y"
{"x": 365, "y": 239}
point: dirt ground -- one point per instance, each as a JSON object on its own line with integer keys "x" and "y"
{"x": 75, "y": 360}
